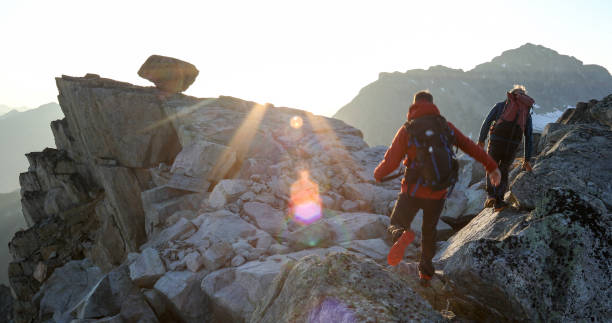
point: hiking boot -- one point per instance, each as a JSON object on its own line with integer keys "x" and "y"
{"x": 500, "y": 205}
{"x": 489, "y": 202}
{"x": 396, "y": 254}
{"x": 396, "y": 233}
{"x": 424, "y": 280}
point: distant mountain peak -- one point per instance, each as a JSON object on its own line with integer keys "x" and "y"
{"x": 554, "y": 80}
{"x": 9, "y": 114}
{"x": 533, "y": 47}
{"x": 442, "y": 68}
{"x": 528, "y": 56}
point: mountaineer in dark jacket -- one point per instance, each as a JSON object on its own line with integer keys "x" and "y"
{"x": 413, "y": 196}
{"x": 507, "y": 123}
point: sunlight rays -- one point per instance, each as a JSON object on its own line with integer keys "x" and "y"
{"x": 177, "y": 115}
{"x": 238, "y": 145}
{"x": 327, "y": 136}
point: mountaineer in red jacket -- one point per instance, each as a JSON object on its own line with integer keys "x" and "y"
{"x": 419, "y": 193}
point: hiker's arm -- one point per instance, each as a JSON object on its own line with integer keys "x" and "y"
{"x": 393, "y": 156}
{"x": 528, "y": 138}
{"x": 486, "y": 124}
{"x": 469, "y": 147}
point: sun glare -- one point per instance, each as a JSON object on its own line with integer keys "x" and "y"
{"x": 296, "y": 122}
{"x": 241, "y": 141}
{"x": 305, "y": 200}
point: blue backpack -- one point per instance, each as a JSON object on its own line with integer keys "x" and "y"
{"x": 435, "y": 165}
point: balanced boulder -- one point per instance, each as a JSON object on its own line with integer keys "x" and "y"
{"x": 169, "y": 74}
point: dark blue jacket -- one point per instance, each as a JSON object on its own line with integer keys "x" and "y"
{"x": 494, "y": 115}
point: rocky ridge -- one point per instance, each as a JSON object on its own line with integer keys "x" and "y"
{"x": 174, "y": 208}
{"x": 157, "y": 193}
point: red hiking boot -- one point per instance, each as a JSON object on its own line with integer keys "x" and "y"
{"x": 500, "y": 205}
{"x": 396, "y": 254}
{"x": 424, "y": 279}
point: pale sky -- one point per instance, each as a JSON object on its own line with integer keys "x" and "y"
{"x": 312, "y": 55}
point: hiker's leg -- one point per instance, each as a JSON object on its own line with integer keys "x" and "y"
{"x": 504, "y": 167}
{"x": 494, "y": 151}
{"x": 402, "y": 215}
{"x": 431, "y": 213}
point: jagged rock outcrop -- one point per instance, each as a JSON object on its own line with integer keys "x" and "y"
{"x": 47, "y": 245}
{"x": 52, "y": 185}
{"x": 550, "y": 264}
{"x": 589, "y": 112}
{"x": 120, "y": 182}
{"x": 341, "y": 288}
{"x": 169, "y": 74}
{"x": 83, "y": 199}
{"x": 575, "y": 153}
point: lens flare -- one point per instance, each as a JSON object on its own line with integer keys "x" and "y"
{"x": 296, "y": 122}
{"x": 305, "y": 200}
{"x": 332, "y": 310}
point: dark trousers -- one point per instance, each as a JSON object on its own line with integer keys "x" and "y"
{"x": 503, "y": 154}
{"x": 406, "y": 208}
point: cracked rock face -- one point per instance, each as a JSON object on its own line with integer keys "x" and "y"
{"x": 341, "y": 288}
{"x": 579, "y": 160}
{"x": 575, "y": 154}
{"x": 551, "y": 264}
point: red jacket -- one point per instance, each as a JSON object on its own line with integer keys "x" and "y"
{"x": 400, "y": 149}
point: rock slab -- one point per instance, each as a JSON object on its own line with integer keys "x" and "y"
{"x": 147, "y": 268}
{"x": 552, "y": 264}
{"x": 341, "y": 287}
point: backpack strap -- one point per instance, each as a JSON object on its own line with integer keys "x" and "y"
{"x": 413, "y": 140}
{"x": 450, "y": 190}
{"x": 498, "y": 118}
{"x": 416, "y": 187}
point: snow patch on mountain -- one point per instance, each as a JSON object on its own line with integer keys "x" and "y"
{"x": 540, "y": 120}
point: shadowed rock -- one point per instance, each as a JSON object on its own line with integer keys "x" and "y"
{"x": 63, "y": 291}
{"x": 6, "y": 304}
{"x": 116, "y": 295}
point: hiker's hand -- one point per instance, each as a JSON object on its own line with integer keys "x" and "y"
{"x": 527, "y": 166}
{"x": 495, "y": 177}
{"x": 481, "y": 144}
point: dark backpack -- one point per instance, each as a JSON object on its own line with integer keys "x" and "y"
{"x": 435, "y": 165}
{"x": 507, "y": 129}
